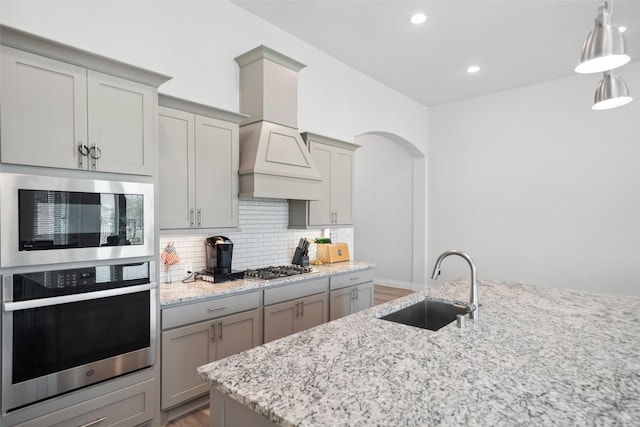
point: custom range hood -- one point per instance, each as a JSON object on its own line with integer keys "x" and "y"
{"x": 274, "y": 160}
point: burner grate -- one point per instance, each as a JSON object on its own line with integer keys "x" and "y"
{"x": 268, "y": 273}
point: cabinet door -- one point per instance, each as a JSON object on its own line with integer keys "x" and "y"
{"x": 320, "y": 210}
{"x": 121, "y": 124}
{"x": 363, "y": 298}
{"x": 43, "y": 108}
{"x": 342, "y": 186}
{"x": 183, "y": 350}
{"x": 176, "y": 142}
{"x": 280, "y": 320}
{"x": 216, "y": 168}
{"x": 314, "y": 311}
{"x": 340, "y": 304}
{"x": 237, "y": 333}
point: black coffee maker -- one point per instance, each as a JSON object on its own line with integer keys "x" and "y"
{"x": 219, "y": 254}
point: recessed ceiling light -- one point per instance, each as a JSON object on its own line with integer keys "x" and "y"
{"x": 418, "y": 18}
{"x": 622, "y": 29}
{"x": 473, "y": 69}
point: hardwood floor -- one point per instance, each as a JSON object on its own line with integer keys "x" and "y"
{"x": 197, "y": 418}
{"x": 382, "y": 294}
{"x": 200, "y": 417}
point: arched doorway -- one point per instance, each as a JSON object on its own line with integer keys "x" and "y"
{"x": 390, "y": 209}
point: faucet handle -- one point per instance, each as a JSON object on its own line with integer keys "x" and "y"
{"x": 461, "y": 320}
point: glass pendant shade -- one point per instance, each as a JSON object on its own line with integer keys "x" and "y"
{"x": 604, "y": 49}
{"x": 611, "y": 92}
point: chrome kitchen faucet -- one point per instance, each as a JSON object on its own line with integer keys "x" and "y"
{"x": 473, "y": 297}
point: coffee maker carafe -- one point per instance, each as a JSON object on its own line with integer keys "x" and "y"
{"x": 219, "y": 254}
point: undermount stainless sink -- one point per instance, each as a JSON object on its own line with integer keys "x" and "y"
{"x": 427, "y": 314}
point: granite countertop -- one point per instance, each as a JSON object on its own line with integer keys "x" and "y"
{"x": 537, "y": 356}
{"x": 179, "y": 292}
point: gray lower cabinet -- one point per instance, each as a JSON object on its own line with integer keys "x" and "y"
{"x": 187, "y": 347}
{"x": 290, "y": 317}
{"x": 350, "y": 293}
{"x": 227, "y": 412}
{"x": 130, "y": 406}
{"x": 294, "y": 308}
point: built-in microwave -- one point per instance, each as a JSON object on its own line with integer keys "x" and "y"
{"x": 47, "y": 220}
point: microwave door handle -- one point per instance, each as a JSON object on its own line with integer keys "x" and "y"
{"x": 46, "y": 302}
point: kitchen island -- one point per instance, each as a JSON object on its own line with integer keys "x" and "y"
{"x": 537, "y": 356}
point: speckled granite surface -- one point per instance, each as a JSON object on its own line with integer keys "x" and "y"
{"x": 178, "y": 292}
{"x": 537, "y": 356}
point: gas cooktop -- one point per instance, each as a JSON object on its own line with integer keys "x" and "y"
{"x": 276, "y": 272}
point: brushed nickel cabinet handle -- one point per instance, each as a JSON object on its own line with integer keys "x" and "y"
{"x": 199, "y": 217}
{"x": 297, "y": 309}
{"x": 213, "y": 332}
{"x": 93, "y": 423}
{"x": 94, "y": 154}
{"x": 191, "y": 217}
{"x": 220, "y": 330}
{"x": 84, "y": 152}
{"x": 302, "y": 308}
{"x": 218, "y": 307}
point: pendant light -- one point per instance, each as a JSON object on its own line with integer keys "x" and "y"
{"x": 604, "y": 49}
{"x": 611, "y": 92}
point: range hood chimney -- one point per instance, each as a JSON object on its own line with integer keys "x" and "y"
{"x": 274, "y": 160}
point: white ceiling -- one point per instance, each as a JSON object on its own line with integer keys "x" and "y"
{"x": 515, "y": 42}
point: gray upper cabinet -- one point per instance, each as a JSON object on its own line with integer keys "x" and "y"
{"x": 198, "y": 165}
{"x": 335, "y": 161}
{"x": 64, "y": 115}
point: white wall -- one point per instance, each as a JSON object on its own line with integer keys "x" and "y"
{"x": 539, "y": 188}
{"x": 196, "y": 42}
{"x": 384, "y": 209}
{"x": 390, "y": 208}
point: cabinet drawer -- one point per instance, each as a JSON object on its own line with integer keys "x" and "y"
{"x": 209, "y": 309}
{"x": 350, "y": 279}
{"x": 127, "y": 407}
{"x": 295, "y": 290}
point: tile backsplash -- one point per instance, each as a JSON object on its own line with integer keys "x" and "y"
{"x": 264, "y": 240}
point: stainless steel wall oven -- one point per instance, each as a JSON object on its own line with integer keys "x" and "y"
{"x": 45, "y": 220}
{"x": 66, "y": 329}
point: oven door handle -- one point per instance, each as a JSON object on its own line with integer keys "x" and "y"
{"x": 46, "y": 302}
